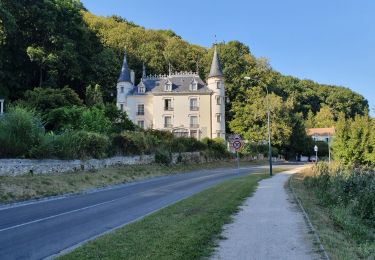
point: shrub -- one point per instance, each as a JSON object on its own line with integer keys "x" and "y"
{"x": 119, "y": 120}
{"x": 45, "y": 99}
{"x": 64, "y": 118}
{"x": 94, "y": 120}
{"x": 20, "y": 130}
{"x": 216, "y": 147}
{"x": 86, "y": 145}
{"x": 353, "y": 189}
{"x": 47, "y": 148}
{"x": 134, "y": 143}
{"x": 123, "y": 144}
{"x": 187, "y": 144}
{"x": 163, "y": 156}
{"x": 72, "y": 145}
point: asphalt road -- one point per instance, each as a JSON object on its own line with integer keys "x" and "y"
{"x": 40, "y": 229}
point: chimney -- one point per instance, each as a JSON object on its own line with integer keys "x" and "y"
{"x": 132, "y": 77}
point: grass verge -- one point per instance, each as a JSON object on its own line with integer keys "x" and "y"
{"x": 185, "y": 230}
{"x": 37, "y": 186}
{"x": 336, "y": 235}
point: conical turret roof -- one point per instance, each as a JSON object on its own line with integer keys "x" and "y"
{"x": 215, "y": 66}
{"x": 125, "y": 74}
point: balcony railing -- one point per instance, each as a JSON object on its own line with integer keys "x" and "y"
{"x": 140, "y": 113}
{"x": 194, "y": 125}
{"x": 168, "y": 108}
{"x": 194, "y": 108}
{"x": 168, "y": 125}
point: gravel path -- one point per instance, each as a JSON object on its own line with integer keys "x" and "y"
{"x": 269, "y": 225}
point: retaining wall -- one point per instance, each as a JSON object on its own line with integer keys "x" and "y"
{"x": 16, "y": 167}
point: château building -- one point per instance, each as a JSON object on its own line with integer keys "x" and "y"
{"x": 178, "y": 102}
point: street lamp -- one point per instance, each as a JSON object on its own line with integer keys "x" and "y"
{"x": 268, "y": 126}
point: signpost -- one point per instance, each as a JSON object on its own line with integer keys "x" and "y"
{"x": 236, "y": 143}
{"x": 316, "y": 153}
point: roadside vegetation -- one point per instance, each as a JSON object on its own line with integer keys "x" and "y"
{"x": 188, "y": 229}
{"x": 37, "y": 186}
{"x": 60, "y": 70}
{"x": 340, "y": 202}
{"x": 89, "y": 132}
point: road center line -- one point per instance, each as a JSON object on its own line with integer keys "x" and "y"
{"x": 109, "y": 201}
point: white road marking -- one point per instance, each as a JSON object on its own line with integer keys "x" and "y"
{"x": 109, "y": 201}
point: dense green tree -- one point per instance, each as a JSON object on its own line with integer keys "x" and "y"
{"x": 310, "y": 120}
{"x": 46, "y": 99}
{"x": 324, "y": 118}
{"x": 250, "y": 119}
{"x": 353, "y": 141}
{"x": 94, "y": 96}
{"x": 94, "y": 120}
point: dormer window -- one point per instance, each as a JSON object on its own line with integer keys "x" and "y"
{"x": 122, "y": 90}
{"x": 168, "y": 86}
{"x": 194, "y": 85}
{"x": 141, "y": 88}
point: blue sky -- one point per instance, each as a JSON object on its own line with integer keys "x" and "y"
{"x": 331, "y": 42}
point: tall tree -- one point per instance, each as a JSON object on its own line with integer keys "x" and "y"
{"x": 324, "y": 118}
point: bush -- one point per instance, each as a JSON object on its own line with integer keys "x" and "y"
{"x": 64, "y": 118}
{"x": 135, "y": 143}
{"x": 46, "y": 99}
{"x": 217, "y": 148}
{"x": 72, "y": 145}
{"x": 187, "y": 144}
{"x": 94, "y": 120}
{"x": 82, "y": 144}
{"x": 20, "y": 131}
{"x": 353, "y": 189}
{"x": 163, "y": 156}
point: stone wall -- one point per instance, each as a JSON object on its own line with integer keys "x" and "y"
{"x": 16, "y": 167}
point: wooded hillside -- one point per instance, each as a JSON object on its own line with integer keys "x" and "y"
{"x": 57, "y": 43}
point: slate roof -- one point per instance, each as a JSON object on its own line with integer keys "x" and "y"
{"x": 215, "y": 70}
{"x": 180, "y": 84}
{"x": 125, "y": 74}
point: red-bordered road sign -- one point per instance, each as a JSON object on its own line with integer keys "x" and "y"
{"x": 237, "y": 144}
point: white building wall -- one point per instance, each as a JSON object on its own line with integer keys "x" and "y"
{"x": 181, "y": 112}
{"x": 218, "y": 128}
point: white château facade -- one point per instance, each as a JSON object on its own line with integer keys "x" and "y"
{"x": 179, "y": 102}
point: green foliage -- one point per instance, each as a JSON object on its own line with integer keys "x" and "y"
{"x": 163, "y": 156}
{"x": 20, "y": 131}
{"x": 73, "y": 145}
{"x": 94, "y": 120}
{"x": 64, "y": 118}
{"x": 94, "y": 96}
{"x": 250, "y": 118}
{"x": 84, "y": 144}
{"x": 187, "y": 144}
{"x": 216, "y": 148}
{"x": 350, "y": 193}
{"x": 353, "y": 143}
{"x": 46, "y": 99}
{"x": 61, "y": 44}
{"x": 119, "y": 120}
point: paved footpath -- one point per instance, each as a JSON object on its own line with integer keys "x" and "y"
{"x": 269, "y": 225}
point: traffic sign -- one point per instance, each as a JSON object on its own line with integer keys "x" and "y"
{"x": 315, "y": 148}
{"x": 237, "y": 144}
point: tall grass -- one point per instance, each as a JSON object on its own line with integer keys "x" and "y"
{"x": 349, "y": 194}
{"x": 20, "y": 130}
